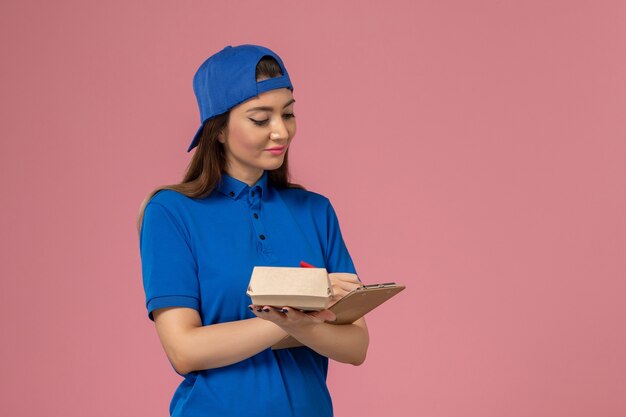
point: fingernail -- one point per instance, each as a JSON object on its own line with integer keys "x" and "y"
{"x": 267, "y": 310}
{"x": 250, "y": 307}
{"x": 284, "y": 310}
{"x": 259, "y": 309}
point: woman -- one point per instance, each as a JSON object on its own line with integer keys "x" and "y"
{"x": 235, "y": 209}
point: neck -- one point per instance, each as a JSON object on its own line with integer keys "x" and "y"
{"x": 249, "y": 177}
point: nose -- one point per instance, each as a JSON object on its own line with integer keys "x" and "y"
{"x": 279, "y": 131}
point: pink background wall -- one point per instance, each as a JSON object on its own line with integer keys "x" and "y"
{"x": 475, "y": 151}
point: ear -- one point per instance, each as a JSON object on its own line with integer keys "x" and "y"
{"x": 221, "y": 137}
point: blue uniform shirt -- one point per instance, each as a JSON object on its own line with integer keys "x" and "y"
{"x": 199, "y": 253}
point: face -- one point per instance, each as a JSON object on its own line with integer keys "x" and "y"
{"x": 254, "y": 126}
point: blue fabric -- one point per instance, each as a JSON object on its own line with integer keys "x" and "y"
{"x": 199, "y": 253}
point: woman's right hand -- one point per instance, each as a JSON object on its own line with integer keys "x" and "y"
{"x": 342, "y": 283}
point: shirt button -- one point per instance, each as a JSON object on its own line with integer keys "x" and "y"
{"x": 252, "y": 193}
{"x": 262, "y": 237}
{"x": 256, "y": 216}
{"x": 232, "y": 193}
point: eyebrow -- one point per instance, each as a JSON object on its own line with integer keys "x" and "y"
{"x": 268, "y": 108}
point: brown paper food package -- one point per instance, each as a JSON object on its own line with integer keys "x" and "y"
{"x": 302, "y": 288}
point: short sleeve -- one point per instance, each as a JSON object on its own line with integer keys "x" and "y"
{"x": 338, "y": 258}
{"x": 169, "y": 269}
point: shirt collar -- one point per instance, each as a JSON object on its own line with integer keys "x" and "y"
{"x": 234, "y": 188}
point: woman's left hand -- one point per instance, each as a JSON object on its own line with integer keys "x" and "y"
{"x": 290, "y": 319}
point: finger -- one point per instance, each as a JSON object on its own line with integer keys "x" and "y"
{"x": 263, "y": 312}
{"x": 292, "y": 314}
{"x": 345, "y": 285}
{"x": 345, "y": 276}
{"x": 256, "y": 310}
{"x": 343, "y": 289}
{"x": 338, "y": 295}
{"x": 339, "y": 292}
{"x": 273, "y": 314}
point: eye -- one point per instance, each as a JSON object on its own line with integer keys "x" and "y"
{"x": 264, "y": 122}
{"x": 260, "y": 122}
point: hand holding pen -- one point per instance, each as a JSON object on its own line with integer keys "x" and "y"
{"x": 341, "y": 283}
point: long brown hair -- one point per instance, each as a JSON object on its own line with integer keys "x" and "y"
{"x": 209, "y": 160}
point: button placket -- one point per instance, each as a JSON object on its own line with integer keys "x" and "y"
{"x": 254, "y": 198}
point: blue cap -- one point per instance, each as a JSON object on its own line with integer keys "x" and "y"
{"x": 228, "y": 78}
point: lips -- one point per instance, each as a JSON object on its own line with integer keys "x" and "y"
{"x": 277, "y": 151}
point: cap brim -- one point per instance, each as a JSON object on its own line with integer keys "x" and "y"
{"x": 196, "y": 138}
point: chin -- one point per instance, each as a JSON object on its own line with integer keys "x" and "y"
{"x": 273, "y": 166}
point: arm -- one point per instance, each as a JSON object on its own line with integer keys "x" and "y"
{"x": 170, "y": 277}
{"x": 190, "y": 346}
{"x": 345, "y": 343}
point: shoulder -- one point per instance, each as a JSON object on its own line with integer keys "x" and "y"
{"x": 304, "y": 197}
{"x": 171, "y": 200}
{"x": 169, "y": 207}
